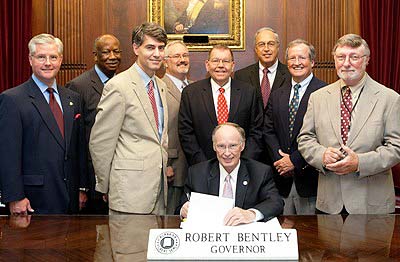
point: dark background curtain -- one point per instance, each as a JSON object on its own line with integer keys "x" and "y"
{"x": 15, "y": 33}
{"x": 380, "y": 27}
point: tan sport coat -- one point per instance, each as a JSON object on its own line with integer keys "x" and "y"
{"x": 128, "y": 155}
{"x": 374, "y": 136}
{"x": 176, "y": 156}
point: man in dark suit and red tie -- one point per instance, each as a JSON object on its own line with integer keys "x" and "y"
{"x": 216, "y": 100}
{"x": 107, "y": 56}
{"x": 295, "y": 180}
{"x": 43, "y": 152}
{"x": 248, "y": 182}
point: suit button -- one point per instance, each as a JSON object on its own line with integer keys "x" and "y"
{"x": 66, "y": 158}
{"x": 65, "y": 179}
{"x": 160, "y": 166}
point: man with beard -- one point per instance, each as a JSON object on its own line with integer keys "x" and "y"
{"x": 107, "y": 58}
{"x": 177, "y": 68}
{"x": 128, "y": 143}
{"x": 351, "y": 134}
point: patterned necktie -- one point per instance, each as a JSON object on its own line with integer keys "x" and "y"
{"x": 222, "y": 107}
{"x": 150, "y": 92}
{"x": 228, "y": 192}
{"x": 346, "y": 107}
{"x": 293, "y": 106}
{"x": 265, "y": 87}
{"x": 55, "y": 108}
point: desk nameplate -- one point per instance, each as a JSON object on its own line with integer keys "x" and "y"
{"x": 225, "y": 243}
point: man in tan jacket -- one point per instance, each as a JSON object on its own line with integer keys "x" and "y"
{"x": 128, "y": 142}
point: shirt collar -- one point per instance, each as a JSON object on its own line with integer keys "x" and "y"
{"x": 145, "y": 77}
{"x": 233, "y": 174}
{"x": 42, "y": 86}
{"x": 271, "y": 69}
{"x": 101, "y": 75}
{"x": 357, "y": 86}
{"x": 178, "y": 83}
{"x": 215, "y": 87}
{"x": 305, "y": 82}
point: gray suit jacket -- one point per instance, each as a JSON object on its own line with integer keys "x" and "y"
{"x": 127, "y": 153}
{"x": 176, "y": 156}
{"x": 374, "y": 136}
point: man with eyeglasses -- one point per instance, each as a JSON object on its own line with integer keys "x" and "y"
{"x": 43, "y": 153}
{"x": 294, "y": 178}
{"x": 177, "y": 64}
{"x": 128, "y": 142}
{"x": 107, "y": 58}
{"x": 248, "y": 182}
{"x": 216, "y": 100}
{"x": 268, "y": 74}
{"x": 351, "y": 134}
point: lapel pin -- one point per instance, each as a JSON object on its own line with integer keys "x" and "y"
{"x": 71, "y": 103}
{"x": 245, "y": 183}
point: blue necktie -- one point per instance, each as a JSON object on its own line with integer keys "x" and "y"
{"x": 294, "y": 104}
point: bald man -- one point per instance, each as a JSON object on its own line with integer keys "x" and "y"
{"x": 107, "y": 58}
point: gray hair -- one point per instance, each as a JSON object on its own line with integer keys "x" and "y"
{"x": 172, "y": 43}
{"x": 238, "y": 128}
{"x": 311, "y": 49}
{"x": 262, "y": 29}
{"x": 150, "y": 29}
{"x": 352, "y": 40}
{"x": 45, "y": 39}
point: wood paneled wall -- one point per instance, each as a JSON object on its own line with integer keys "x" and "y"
{"x": 78, "y": 22}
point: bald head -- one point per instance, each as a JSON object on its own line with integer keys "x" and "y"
{"x": 107, "y": 54}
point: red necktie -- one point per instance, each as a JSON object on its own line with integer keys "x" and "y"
{"x": 346, "y": 107}
{"x": 55, "y": 108}
{"x": 150, "y": 92}
{"x": 265, "y": 87}
{"x": 222, "y": 107}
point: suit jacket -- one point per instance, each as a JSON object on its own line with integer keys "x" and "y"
{"x": 90, "y": 87}
{"x": 374, "y": 136}
{"x": 197, "y": 119}
{"x": 259, "y": 192}
{"x": 276, "y": 136}
{"x": 128, "y": 155}
{"x": 176, "y": 156}
{"x": 36, "y": 161}
{"x": 250, "y": 75}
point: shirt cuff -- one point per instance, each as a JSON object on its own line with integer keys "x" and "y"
{"x": 259, "y": 215}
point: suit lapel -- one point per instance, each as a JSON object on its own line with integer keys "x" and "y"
{"x": 43, "y": 108}
{"x": 97, "y": 85}
{"x": 279, "y": 77}
{"x": 68, "y": 113}
{"x": 368, "y": 99}
{"x": 243, "y": 179}
{"x": 333, "y": 105}
{"x": 208, "y": 101}
{"x": 213, "y": 179}
{"x": 283, "y": 104}
{"x": 172, "y": 89}
{"x": 254, "y": 76}
{"x": 140, "y": 90}
{"x": 235, "y": 100}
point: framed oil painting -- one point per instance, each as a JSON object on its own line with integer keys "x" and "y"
{"x": 221, "y": 21}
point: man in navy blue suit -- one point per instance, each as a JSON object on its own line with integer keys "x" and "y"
{"x": 43, "y": 149}
{"x": 295, "y": 180}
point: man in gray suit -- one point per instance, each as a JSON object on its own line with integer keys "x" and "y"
{"x": 351, "y": 133}
{"x": 128, "y": 143}
{"x": 177, "y": 67}
{"x": 107, "y": 56}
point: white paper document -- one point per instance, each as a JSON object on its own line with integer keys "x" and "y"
{"x": 207, "y": 210}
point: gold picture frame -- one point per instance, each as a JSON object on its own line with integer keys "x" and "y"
{"x": 222, "y": 21}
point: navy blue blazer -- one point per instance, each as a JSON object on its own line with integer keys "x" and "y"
{"x": 197, "y": 119}
{"x": 36, "y": 161}
{"x": 259, "y": 192}
{"x": 276, "y": 136}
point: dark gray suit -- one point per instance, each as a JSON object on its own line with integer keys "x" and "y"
{"x": 259, "y": 192}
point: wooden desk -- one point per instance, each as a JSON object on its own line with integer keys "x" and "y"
{"x": 103, "y": 238}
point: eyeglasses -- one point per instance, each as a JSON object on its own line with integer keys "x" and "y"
{"x": 177, "y": 56}
{"x": 270, "y": 44}
{"x": 43, "y": 58}
{"x": 107, "y": 53}
{"x": 352, "y": 58}
{"x": 216, "y": 61}
{"x": 231, "y": 147}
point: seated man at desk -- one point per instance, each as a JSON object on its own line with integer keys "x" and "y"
{"x": 249, "y": 182}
